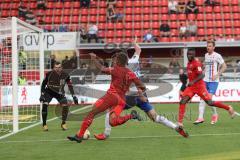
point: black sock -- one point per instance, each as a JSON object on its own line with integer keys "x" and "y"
{"x": 44, "y": 113}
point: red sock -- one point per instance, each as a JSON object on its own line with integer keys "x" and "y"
{"x": 181, "y": 112}
{"x": 221, "y": 105}
{"x": 120, "y": 120}
{"x": 85, "y": 124}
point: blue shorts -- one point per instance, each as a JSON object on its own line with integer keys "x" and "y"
{"x": 211, "y": 87}
{"x": 132, "y": 101}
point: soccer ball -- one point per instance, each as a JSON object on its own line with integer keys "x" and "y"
{"x": 86, "y": 135}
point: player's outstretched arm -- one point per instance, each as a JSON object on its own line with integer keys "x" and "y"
{"x": 98, "y": 64}
{"x": 137, "y": 48}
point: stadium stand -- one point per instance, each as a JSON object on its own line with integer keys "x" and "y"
{"x": 140, "y": 15}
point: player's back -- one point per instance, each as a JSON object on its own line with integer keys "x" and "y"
{"x": 122, "y": 78}
{"x": 194, "y": 69}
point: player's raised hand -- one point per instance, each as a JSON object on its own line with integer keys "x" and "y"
{"x": 93, "y": 55}
{"x": 135, "y": 40}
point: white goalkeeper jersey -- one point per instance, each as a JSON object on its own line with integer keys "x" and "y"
{"x": 212, "y": 63}
{"x": 133, "y": 64}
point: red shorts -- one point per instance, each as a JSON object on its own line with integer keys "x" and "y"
{"x": 114, "y": 102}
{"x": 200, "y": 90}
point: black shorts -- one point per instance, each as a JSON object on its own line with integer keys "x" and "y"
{"x": 49, "y": 95}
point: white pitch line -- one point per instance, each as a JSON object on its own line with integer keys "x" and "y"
{"x": 35, "y": 124}
{"x": 136, "y": 137}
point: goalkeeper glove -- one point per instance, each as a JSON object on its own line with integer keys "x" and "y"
{"x": 42, "y": 98}
{"x": 75, "y": 99}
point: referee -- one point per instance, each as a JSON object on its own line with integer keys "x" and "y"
{"x": 53, "y": 87}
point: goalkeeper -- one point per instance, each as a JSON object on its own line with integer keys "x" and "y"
{"x": 53, "y": 87}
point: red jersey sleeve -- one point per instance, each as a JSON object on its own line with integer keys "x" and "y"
{"x": 198, "y": 67}
{"x": 107, "y": 70}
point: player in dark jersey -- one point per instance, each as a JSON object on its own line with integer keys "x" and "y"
{"x": 197, "y": 86}
{"x": 183, "y": 79}
{"x": 114, "y": 99}
{"x": 53, "y": 87}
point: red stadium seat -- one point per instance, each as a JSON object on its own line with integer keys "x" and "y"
{"x": 228, "y": 31}
{"x": 146, "y": 25}
{"x": 58, "y": 5}
{"x": 210, "y": 24}
{"x": 76, "y": 4}
{"x": 164, "y": 17}
{"x": 128, "y": 18}
{"x": 84, "y": 19}
{"x": 217, "y": 9}
{"x": 129, "y": 10}
{"x": 138, "y": 25}
{"x": 209, "y": 16}
{"x": 174, "y": 32}
{"x": 164, "y": 39}
{"x": 200, "y": 17}
{"x": 119, "y": 26}
{"x": 237, "y": 31}
{"x": 146, "y": 17}
{"x": 227, "y": 16}
{"x": 236, "y": 23}
{"x": 146, "y": 10}
{"x": 155, "y": 32}
{"x": 110, "y": 25}
{"x": 75, "y": 12}
{"x": 225, "y": 2}
{"x": 102, "y": 18}
{"x": 128, "y": 25}
{"x": 155, "y": 25}
{"x": 226, "y": 9}
{"x": 235, "y": 2}
{"x": 173, "y": 17}
{"x": 174, "y": 39}
{"x": 14, "y": 6}
{"x": 57, "y": 20}
{"x": 102, "y": 11}
{"x": 173, "y": 24}
{"x": 138, "y": 33}
{"x": 199, "y": 2}
{"x": 155, "y": 3}
{"x": 49, "y": 12}
{"x": 210, "y": 31}
{"x": 201, "y": 32}
{"x": 48, "y": 20}
{"x": 218, "y": 23}
{"x": 235, "y": 9}
{"x": 155, "y": 10}
{"x": 137, "y": 10}
{"x": 128, "y": 3}
{"x": 84, "y": 11}
{"x": 192, "y": 39}
{"x": 200, "y": 24}
{"x": 101, "y": 26}
{"x": 110, "y": 34}
{"x": 218, "y": 16}
{"x": 67, "y": 5}
{"x": 93, "y": 11}
{"x": 182, "y": 17}
{"x": 50, "y": 5}
{"x": 147, "y": 3}
{"x": 191, "y": 17}
{"x": 119, "y": 33}
{"x": 164, "y": 10}
{"x": 137, "y": 18}
{"x": 155, "y": 17}
{"x": 93, "y": 19}
{"x": 164, "y": 3}
{"x": 128, "y": 33}
{"x": 137, "y": 3}
{"x": 75, "y": 19}
{"x": 66, "y": 19}
{"x": 67, "y": 12}
{"x": 208, "y": 9}
{"x": 58, "y": 12}
{"x": 120, "y": 4}
{"x": 236, "y": 16}
{"x": 218, "y": 31}
{"x": 227, "y": 23}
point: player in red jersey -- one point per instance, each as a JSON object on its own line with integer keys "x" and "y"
{"x": 197, "y": 86}
{"x": 114, "y": 99}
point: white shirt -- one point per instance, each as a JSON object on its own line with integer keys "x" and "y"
{"x": 133, "y": 64}
{"x": 212, "y": 63}
{"x": 93, "y": 29}
{"x": 172, "y": 6}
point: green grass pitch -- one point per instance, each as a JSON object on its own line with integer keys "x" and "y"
{"x": 135, "y": 140}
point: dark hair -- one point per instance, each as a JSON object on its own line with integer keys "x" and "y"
{"x": 122, "y": 58}
{"x": 211, "y": 41}
{"x": 56, "y": 63}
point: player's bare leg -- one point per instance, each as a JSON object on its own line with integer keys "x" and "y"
{"x": 182, "y": 108}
